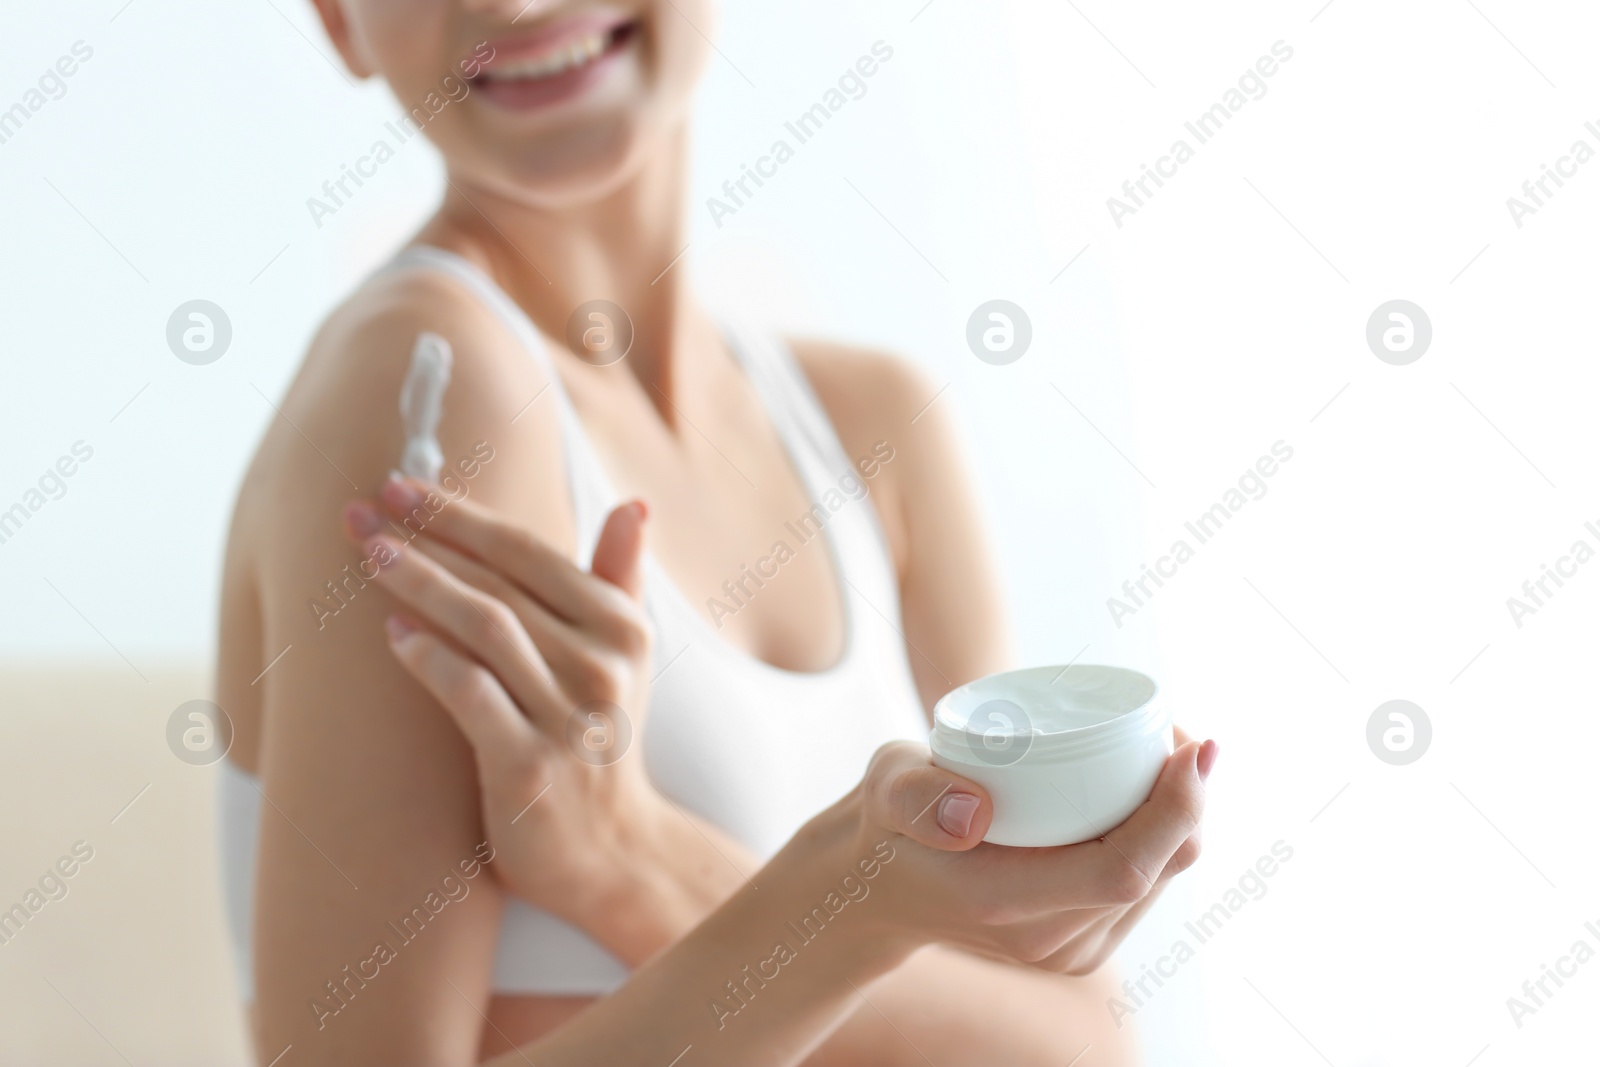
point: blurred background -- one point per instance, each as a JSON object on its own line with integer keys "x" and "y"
{"x": 1176, "y": 339}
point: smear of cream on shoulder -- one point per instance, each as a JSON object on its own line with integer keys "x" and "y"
{"x": 422, "y": 405}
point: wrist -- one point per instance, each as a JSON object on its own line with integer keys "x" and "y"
{"x": 843, "y": 878}
{"x": 654, "y": 878}
{"x": 632, "y": 897}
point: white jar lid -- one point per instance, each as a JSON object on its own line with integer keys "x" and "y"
{"x": 1047, "y": 711}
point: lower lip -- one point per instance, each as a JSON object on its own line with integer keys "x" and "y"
{"x": 530, "y": 94}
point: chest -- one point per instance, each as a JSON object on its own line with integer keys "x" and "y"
{"x": 755, "y": 749}
{"x": 739, "y": 523}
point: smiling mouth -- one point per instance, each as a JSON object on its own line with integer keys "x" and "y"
{"x": 570, "y": 57}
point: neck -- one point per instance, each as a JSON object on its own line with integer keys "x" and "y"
{"x": 623, "y": 247}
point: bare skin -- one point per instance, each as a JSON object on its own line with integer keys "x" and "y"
{"x": 373, "y": 789}
{"x": 339, "y": 692}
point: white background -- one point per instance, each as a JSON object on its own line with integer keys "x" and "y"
{"x": 1227, "y": 314}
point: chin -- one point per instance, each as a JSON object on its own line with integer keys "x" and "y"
{"x": 581, "y": 166}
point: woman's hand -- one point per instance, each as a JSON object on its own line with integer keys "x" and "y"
{"x": 1062, "y": 909}
{"x": 545, "y": 668}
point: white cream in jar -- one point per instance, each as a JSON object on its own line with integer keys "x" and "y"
{"x": 1065, "y": 753}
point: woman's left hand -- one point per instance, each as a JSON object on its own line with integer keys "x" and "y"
{"x": 545, "y": 668}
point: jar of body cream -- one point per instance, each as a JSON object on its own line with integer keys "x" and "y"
{"x": 1065, "y": 753}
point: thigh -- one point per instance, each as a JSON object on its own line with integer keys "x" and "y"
{"x": 969, "y": 1012}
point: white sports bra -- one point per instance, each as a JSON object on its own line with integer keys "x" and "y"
{"x": 752, "y": 748}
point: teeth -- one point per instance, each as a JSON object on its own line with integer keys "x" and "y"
{"x": 562, "y": 59}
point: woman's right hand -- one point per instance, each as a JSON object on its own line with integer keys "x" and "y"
{"x": 544, "y": 666}
{"x": 1062, "y": 909}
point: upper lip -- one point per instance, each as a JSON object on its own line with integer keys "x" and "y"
{"x": 551, "y": 37}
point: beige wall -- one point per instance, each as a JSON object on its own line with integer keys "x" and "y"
{"x": 137, "y": 950}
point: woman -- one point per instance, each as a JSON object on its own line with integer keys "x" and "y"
{"x": 638, "y": 882}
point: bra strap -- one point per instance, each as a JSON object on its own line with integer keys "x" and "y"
{"x": 591, "y": 492}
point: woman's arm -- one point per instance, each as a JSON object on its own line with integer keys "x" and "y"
{"x": 771, "y": 972}
{"x": 953, "y": 619}
{"x": 743, "y": 988}
{"x": 372, "y": 942}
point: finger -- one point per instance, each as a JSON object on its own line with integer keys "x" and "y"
{"x": 550, "y": 633}
{"x": 1084, "y": 946}
{"x": 1124, "y": 865}
{"x": 1187, "y": 855}
{"x": 500, "y": 735}
{"x": 1084, "y": 949}
{"x": 573, "y": 658}
{"x": 362, "y": 519}
{"x": 619, "y": 555}
{"x": 480, "y": 624}
{"x": 546, "y": 574}
{"x": 1089, "y": 948}
{"x": 1092, "y": 946}
{"x": 1070, "y": 940}
{"x": 908, "y": 795}
{"x": 1189, "y": 851}
{"x": 1150, "y": 837}
{"x": 1127, "y": 920}
{"x": 1113, "y": 927}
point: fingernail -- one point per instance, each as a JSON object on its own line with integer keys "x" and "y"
{"x": 398, "y": 626}
{"x": 382, "y": 551}
{"x": 641, "y": 510}
{"x": 400, "y": 494}
{"x": 1206, "y": 758}
{"x": 956, "y": 812}
{"x": 362, "y": 519}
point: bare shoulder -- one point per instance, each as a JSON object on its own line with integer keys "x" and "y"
{"x": 865, "y": 389}
{"x": 349, "y": 383}
{"x": 335, "y": 434}
{"x": 875, "y": 397}
{"x": 337, "y": 431}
